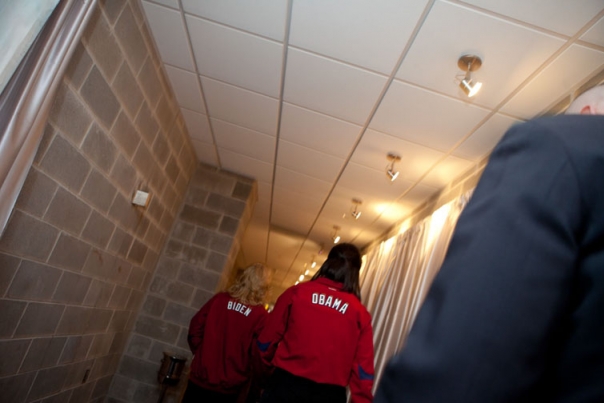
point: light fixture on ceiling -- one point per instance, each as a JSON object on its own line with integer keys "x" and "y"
{"x": 301, "y": 278}
{"x": 336, "y": 236}
{"x": 356, "y": 213}
{"x": 392, "y": 174}
{"x": 469, "y": 63}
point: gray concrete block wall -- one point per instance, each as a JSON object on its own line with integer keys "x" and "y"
{"x": 196, "y": 261}
{"x": 77, "y": 258}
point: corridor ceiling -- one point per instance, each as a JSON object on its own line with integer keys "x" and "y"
{"x": 309, "y": 96}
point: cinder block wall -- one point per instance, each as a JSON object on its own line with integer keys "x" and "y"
{"x": 77, "y": 257}
{"x": 195, "y": 262}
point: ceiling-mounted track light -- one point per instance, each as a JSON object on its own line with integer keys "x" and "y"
{"x": 392, "y": 174}
{"x": 335, "y": 237}
{"x": 469, "y": 63}
{"x": 356, "y": 213}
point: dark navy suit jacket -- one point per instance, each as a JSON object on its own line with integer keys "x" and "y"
{"x": 516, "y": 313}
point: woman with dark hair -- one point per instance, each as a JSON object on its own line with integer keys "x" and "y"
{"x": 319, "y": 338}
{"x": 221, "y": 338}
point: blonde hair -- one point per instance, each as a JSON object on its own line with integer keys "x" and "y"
{"x": 252, "y": 284}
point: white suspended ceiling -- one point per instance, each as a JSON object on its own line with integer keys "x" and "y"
{"x": 309, "y": 96}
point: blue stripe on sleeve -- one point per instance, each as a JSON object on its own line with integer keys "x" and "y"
{"x": 263, "y": 346}
{"x": 364, "y": 376}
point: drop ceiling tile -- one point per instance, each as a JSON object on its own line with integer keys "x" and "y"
{"x": 264, "y": 191}
{"x": 553, "y": 82}
{"x": 262, "y": 17}
{"x": 186, "y": 88}
{"x": 415, "y": 161}
{"x": 168, "y": 3}
{"x": 298, "y": 201}
{"x": 244, "y": 141}
{"x": 509, "y": 52}
{"x": 481, "y": 142}
{"x": 205, "y": 152}
{"x": 246, "y": 166}
{"x": 373, "y": 181}
{"x": 197, "y": 125}
{"x": 595, "y": 34}
{"x": 261, "y": 213}
{"x": 565, "y": 17}
{"x": 339, "y": 212}
{"x": 282, "y": 246}
{"x": 368, "y": 236}
{"x": 308, "y": 162}
{"x": 424, "y": 117}
{"x": 317, "y": 131}
{"x": 447, "y": 171}
{"x": 395, "y": 212}
{"x": 170, "y": 36}
{"x": 369, "y": 34}
{"x": 322, "y": 232}
{"x": 331, "y": 87}
{"x": 285, "y": 217}
{"x": 236, "y": 57}
{"x": 345, "y": 194}
{"x": 416, "y": 196}
{"x": 340, "y": 205}
{"x": 295, "y": 181}
{"x": 254, "y": 241}
{"x": 241, "y": 107}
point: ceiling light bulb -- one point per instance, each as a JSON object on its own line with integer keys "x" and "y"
{"x": 306, "y": 272}
{"x": 313, "y": 264}
{"x": 393, "y": 175}
{"x": 469, "y": 88}
{"x": 336, "y": 239}
{"x": 356, "y": 214}
{"x": 301, "y": 278}
{"x": 296, "y": 283}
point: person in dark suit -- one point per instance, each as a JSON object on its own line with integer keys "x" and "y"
{"x": 516, "y": 313}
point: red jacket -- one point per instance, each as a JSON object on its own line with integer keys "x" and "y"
{"x": 221, "y": 336}
{"x": 318, "y": 332}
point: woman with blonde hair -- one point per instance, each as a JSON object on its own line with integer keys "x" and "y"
{"x": 221, "y": 336}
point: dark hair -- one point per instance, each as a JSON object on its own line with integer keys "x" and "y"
{"x": 343, "y": 265}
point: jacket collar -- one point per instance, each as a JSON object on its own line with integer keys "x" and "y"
{"x": 330, "y": 283}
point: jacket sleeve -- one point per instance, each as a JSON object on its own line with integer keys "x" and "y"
{"x": 275, "y": 327}
{"x": 361, "y": 379}
{"x": 491, "y": 319}
{"x": 259, "y": 368}
{"x": 197, "y": 326}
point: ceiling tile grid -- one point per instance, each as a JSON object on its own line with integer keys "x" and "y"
{"x": 309, "y": 96}
{"x": 371, "y": 35}
{"x": 236, "y": 57}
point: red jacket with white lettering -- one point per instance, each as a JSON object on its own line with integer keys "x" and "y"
{"x": 319, "y": 332}
{"x": 221, "y": 337}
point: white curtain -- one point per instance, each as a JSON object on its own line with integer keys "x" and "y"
{"x": 397, "y": 275}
